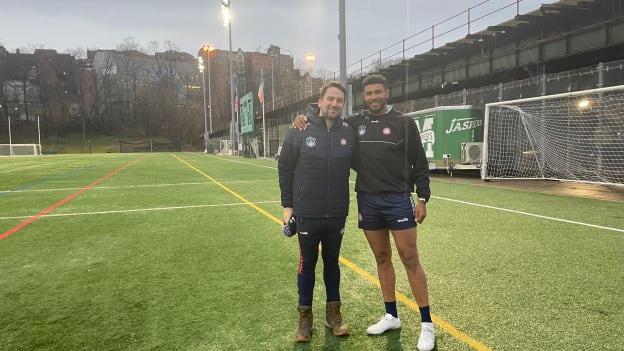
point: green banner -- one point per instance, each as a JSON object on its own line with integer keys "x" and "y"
{"x": 246, "y": 113}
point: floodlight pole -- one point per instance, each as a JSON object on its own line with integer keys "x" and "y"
{"x": 10, "y": 141}
{"x": 205, "y": 113}
{"x": 343, "y": 50}
{"x": 233, "y": 127}
{"x": 39, "y": 136}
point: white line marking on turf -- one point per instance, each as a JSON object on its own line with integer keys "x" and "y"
{"x": 134, "y": 186}
{"x": 141, "y": 210}
{"x": 246, "y": 163}
{"x": 490, "y": 207}
{"x": 531, "y": 214}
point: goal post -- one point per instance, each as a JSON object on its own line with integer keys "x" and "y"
{"x": 576, "y": 136}
{"x": 13, "y": 149}
{"x": 20, "y": 149}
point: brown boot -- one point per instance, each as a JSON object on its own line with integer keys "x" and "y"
{"x": 333, "y": 319}
{"x": 304, "y": 331}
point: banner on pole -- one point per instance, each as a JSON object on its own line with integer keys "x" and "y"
{"x": 246, "y": 113}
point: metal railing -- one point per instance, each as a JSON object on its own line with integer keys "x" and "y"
{"x": 412, "y": 41}
{"x": 408, "y": 46}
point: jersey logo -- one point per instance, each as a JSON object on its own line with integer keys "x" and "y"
{"x": 310, "y": 141}
{"x": 343, "y": 142}
{"x": 386, "y": 131}
{"x": 362, "y": 130}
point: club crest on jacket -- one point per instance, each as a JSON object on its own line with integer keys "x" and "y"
{"x": 310, "y": 141}
{"x": 362, "y": 130}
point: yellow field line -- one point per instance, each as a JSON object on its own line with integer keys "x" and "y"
{"x": 439, "y": 321}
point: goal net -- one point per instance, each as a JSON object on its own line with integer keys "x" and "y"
{"x": 576, "y": 136}
{"x": 20, "y": 149}
{"x": 225, "y": 147}
{"x": 145, "y": 146}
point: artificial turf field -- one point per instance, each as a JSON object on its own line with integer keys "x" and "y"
{"x": 183, "y": 252}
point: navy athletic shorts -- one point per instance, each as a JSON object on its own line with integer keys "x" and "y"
{"x": 385, "y": 211}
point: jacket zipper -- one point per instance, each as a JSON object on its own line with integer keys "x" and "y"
{"x": 328, "y": 164}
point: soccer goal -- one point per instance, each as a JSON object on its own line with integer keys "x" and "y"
{"x": 149, "y": 145}
{"x": 20, "y": 149}
{"x": 577, "y": 136}
{"x": 225, "y": 147}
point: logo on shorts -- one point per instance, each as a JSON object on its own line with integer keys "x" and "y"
{"x": 362, "y": 130}
{"x": 386, "y": 131}
{"x": 343, "y": 142}
{"x": 360, "y": 217}
{"x": 310, "y": 141}
{"x": 342, "y": 231}
{"x": 303, "y": 233}
{"x": 402, "y": 220}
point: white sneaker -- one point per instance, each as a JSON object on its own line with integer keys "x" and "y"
{"x": 387, "y": 322}
{"x": 426, "y": 341}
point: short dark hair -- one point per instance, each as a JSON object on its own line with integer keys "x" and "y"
{"x": 332, "y": 84}
{"x": 375, "y": 79}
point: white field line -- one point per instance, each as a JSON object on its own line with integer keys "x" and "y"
{"x": 531, "y": 214}
{"x": 134, "y": 186}
{"x": 141, "y": 210}
{"x": 19, "y": 169}
{"x": 491, "y": 207}
{"x": 512, "y": 188}
{"x": 246, "y": 163}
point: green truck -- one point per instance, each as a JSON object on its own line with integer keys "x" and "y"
{"x": 452, "y": 136}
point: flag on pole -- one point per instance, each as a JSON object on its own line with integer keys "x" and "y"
{"x": 261, "y": 88}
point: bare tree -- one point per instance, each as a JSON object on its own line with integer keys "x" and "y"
{"x": 325, "y": 74}
{"x": 149, "y": 95}
{"x": 79, "y": 52}
{"x": 169, "y": 45}
{"x": 129, "y": 44}
{"x": 104, "y": 85}
{"x": 152, "y": 47}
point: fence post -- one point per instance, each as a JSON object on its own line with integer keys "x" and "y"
{"x": 600, "y": 74}
{"x": 403, "y": 50}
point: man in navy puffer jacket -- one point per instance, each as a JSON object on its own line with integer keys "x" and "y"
{"x": 314, "y": 168}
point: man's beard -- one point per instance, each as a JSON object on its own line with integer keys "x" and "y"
{"x": 381, "y": 106}
{"x": 331, "y": 114}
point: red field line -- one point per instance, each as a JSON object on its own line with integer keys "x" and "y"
{"x": 60, "y": 203}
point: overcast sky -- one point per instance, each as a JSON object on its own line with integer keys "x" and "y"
{"x": 297, "y": 26}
